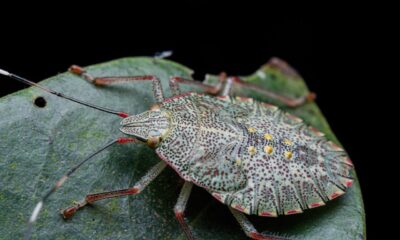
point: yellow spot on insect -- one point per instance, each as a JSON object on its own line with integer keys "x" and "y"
{"x": 251, "y": 130}
{"x": 268, "y": 149}
{"x": 238, "y": 161}
{"x": 252, "y": 150}
{"x": 288, "y": 154}
{"x": 287, "y": 142}
{"x": 268, "y": 136}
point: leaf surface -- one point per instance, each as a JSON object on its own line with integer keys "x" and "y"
{"x": 38, "y": 146}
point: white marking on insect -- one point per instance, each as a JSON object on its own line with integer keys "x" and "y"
{"x": 61, "y": 181}
{"x": 36, "y": 211}
{"x": 2, "y": 72}
{"x": 227, "y": 89}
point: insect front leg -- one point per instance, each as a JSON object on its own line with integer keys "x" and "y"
{"x": 137, "y": 188}
{"x": 157, "y": 88}
{"x": 180, "y": 207}
{"x": 249, "y": 229}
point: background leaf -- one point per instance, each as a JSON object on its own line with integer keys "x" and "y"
{"x": 38, "y": 145}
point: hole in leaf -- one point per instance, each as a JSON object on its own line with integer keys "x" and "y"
{"x": 40, "y": 102}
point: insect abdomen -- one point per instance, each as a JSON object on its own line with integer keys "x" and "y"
{"x": 289, "y": 166}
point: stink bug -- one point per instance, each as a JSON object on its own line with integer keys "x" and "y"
{"x": 249, "y": 155}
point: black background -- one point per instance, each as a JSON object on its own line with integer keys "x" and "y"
{"x": 330, "y": 55}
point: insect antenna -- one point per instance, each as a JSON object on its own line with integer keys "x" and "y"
{"x": 28, "y": 82}
{"x": 61, "y": 181}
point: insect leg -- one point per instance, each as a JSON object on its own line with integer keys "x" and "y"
{"x": 157, "y": 88}
{"x": 137, "y": 188}
{"x": 180, "y": 207}
{"x": 249, "y": 229}
{"x": 211, "y": 89}
{"x": 288, "y": 101}
{"x": 174, "y": 86}
{"x": 227, "y": 88}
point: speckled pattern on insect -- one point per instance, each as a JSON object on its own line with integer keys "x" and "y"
{"x": 250, "y": 155}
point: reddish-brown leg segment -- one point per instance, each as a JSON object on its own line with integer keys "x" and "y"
{"x": 157, "y": 88}
{"x": 224, "y": 86}
{"x": 180, "y": 207}
{"x": 290, "y": 102}
{"x": 137, "y": 188}
{"x": 210, "y": 89}
{"x": 249, "y": 229}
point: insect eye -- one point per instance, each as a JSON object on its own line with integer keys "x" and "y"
{"x": 153, "y": 141}
{"x": 155, "y": 107}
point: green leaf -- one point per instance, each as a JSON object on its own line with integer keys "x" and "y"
{"x": 38, "y": 145}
